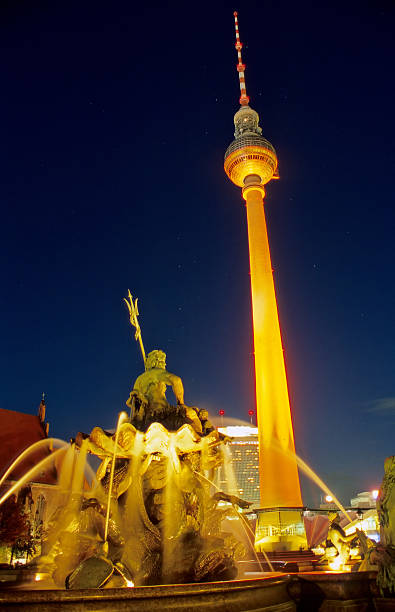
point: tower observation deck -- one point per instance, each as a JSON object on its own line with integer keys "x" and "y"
{"x": 250, "y": 163}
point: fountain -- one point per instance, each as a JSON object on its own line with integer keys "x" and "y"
{"x": 151, "y": 515}
{"x": 148, "y": 533}
{"x": 151, "y": 506}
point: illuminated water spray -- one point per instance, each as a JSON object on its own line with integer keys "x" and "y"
{"x": 250, "y": 163}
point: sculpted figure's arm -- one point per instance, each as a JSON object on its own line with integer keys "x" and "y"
{"x": 139, "y": 384}
{"x": 137, "y": 400}
{"x": 177, "y": 386}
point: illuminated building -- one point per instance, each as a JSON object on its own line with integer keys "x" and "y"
{"x": 18, "y": 431}
{"x": 367, "y": 521}
{"x": 366, "y": 499}
{"x": 245, "y": 462}
{"x": 250, "y": 163}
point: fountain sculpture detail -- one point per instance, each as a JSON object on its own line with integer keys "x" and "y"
{"x": 151, "y": 516}
{"x": 382, "y": 555}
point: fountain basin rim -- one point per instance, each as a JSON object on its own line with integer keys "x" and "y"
{"x": 276, "y": 591}
{"x": 340, "y": 585}
{"x": 244, "y": 594}
{"x": 221, "y": 585}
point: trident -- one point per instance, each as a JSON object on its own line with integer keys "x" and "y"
{"x": 134, "y": 313}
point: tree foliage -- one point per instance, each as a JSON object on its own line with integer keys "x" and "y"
{"x": 14, "y": 524}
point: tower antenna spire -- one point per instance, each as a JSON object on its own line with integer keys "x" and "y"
{"x": 244, "y": 99}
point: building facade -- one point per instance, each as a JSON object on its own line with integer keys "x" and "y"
{"x": 244, "y": 463}
{"x": 24, "y": 514}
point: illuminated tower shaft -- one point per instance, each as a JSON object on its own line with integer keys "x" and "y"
{"x": 277, "y": 466}
{"x": 250, "y": 163}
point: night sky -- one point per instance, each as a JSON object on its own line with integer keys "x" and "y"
{"x": 115, "y": 119}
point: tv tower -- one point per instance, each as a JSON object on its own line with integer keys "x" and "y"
{"x": 250, "y": 163}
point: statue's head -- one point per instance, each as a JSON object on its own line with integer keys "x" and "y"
{"x": 156, "y": 359}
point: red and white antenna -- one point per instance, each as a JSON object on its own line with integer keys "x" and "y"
{"x": 244, "y": 99}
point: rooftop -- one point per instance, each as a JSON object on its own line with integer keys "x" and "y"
{"x": 18, "y": 431}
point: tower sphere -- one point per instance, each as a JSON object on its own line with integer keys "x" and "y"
{"x": 250, "y": 153}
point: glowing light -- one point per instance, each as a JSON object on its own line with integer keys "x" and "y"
{"x": 336, "y": 564}
{"x": 375, "y": 494}
{"x": 129, "y": 583}
{"x": 238, "y": 431}
{"x": 328, "y": 499}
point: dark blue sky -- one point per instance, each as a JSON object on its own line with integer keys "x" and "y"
{"x": 115, "y": 119}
